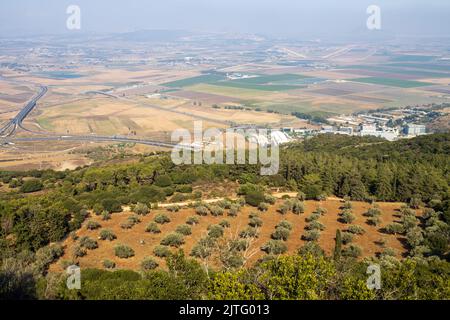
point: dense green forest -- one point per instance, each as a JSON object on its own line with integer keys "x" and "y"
{"x": 43, "y": 207}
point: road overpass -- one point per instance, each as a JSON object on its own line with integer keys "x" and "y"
{"x": 11, "y": 126}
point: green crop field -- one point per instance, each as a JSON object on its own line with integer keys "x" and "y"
{"x": 392, "y": 82}
{"x": 400, "y": 69}
{"x": 207, "y": 78}
{"x": 425, "y": 66}
{"x": 412, "y": 58}
{"x": 262, "y": 87}
{"x": 281, "y": 82}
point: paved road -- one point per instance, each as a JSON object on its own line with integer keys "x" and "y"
{"x": 10, "y": 127}
{"x": 184, "y": 113}
{"x": 8, "y": 131}
{"x": 94, "y": 138}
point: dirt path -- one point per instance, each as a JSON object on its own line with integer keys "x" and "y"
{"x": 277, "y": 195}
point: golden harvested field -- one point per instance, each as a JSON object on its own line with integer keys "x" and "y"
{"x": 143, "y": 243}
{"x": 105, "y": 116}
{"x": 238, "y": 93}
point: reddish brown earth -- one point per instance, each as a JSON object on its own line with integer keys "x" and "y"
{"x": 271, "y": 218}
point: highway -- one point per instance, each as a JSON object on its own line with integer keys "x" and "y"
{"x": 10, "y": 127}
{"x": 8, "y": 131}
{"x": 94, "y": 138}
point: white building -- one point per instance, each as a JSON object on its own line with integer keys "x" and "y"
{"x": 276, "y": 137}
{"x": 415, "y": 129}
{"x": 346, "y": 130}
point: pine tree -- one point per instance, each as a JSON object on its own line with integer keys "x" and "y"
{"x": 338, "y": 245}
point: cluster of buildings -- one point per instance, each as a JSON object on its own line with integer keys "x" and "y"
{"x": 387, "y": 124}
{"x": 364, "y": 129}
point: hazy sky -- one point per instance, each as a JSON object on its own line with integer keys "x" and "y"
{"x": 271, "y": 17}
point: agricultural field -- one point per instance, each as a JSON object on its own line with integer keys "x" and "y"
{"x": 392, "y": 82}
{"x": 143, "y": 243}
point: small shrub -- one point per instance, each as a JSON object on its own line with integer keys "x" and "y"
{"x": 254, "y": 197}
{"x": 263, "y": 207}
{"x": 274, "y": 247}
{"x": 47, "y": 255}
{"x": 409, "y": 222}
{"x": 98, "y": 209}
{"x": 407, "y": 212}
{"x": 93, "y": 225}
{"x": 321, "y": 197}
{"x": 347, "y": 217}
{"x": 224, "y": 224}
{"x": 152, "y": 227}
{"x": 215, "y": 231}
{"x": 301, "y": 196}
{"x": 224, "y": 204}
{"x": 31, "y": 185}
{"x": 179, "y": 197}
{"x": 415, "y": 203}
{"x": 270, "y": 199}
{"x": 161, "y": 251}
{"x": 141, "y": 209}
{"x": 321, "y": 211}
{"x": 234, "y": 210}
{"x": 347, "y": 237}
{"x": 123, "y": 252}
{"x": 388, "y": 252}
{"x": 356, "y": 230}
{"x": 255, "y": 222}
{"x": 249, "y": 232}
{"x": 216, "y": 211}
{"x": 134, "y": 219}
{"x": 107, "y": 235}
{"x": 373, "y": 212}
{"x": 285, "y": 207}
{"x": 311, "y": 248}
{"x": 108, "y": 264}
{"x": 239, "y": 245}
{"x": 381, "y": 242}
{"x": 352, "y": 251}
{"x": 312, "y": 217}
{"x": 298, "y": 207}
{"x": 184, "y": 188}
{"x": 149, "y": 264}
{"x": 311, "y": 235}
{"x": 106, "y": 216}
{"x": 79, "y": 252}
{"x": 74, "y": 236}
{"x": 66, "y": 263}
{"x": 347, "y": 205}
{"x": 373, "y": 221}
{"x": 173, "y": 239}
{"x": 184, "y": 229}
{"x": 414, "y": 237}
{"x": 203, "y": 248}
{"x": 193, "y": 220}
{"x": 174, "y": 208}
{"x": 394, "y": 228}
{"x": 112, "y": 205}
{"x": 201, "y": 211}
{"x": 161, "y": 219}
{"x": 88, "y": 243}
{"x": 281, "y": 234}
{"x": 128, "y": 224}
{"x": 315, "y": 225}
{"x": 284, "y": 224}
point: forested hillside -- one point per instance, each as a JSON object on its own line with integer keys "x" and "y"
{"x": 40, "y": 208}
